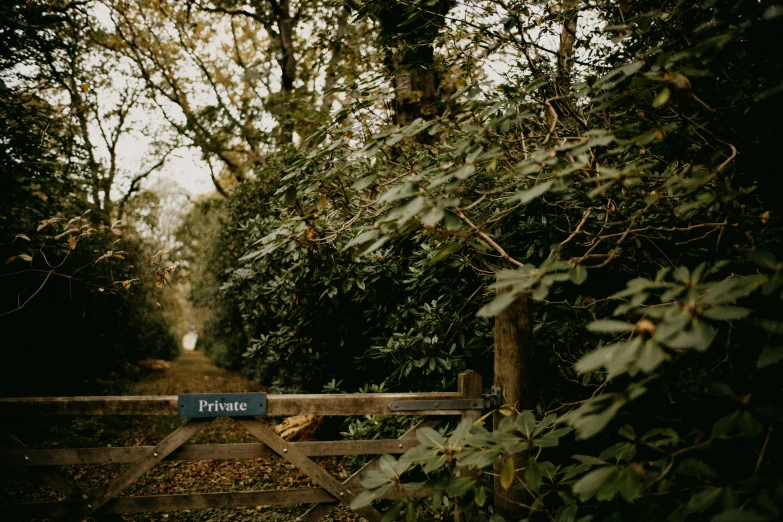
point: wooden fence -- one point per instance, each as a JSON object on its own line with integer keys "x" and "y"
{"x": 106, "y": 503}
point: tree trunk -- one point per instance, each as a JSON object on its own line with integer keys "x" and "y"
{"x": 334, "y": 60}
{"x": 565, "y": 55}
{"x": 411, "y": 57}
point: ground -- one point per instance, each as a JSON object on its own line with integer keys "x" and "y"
{"x": 192, "y": 372}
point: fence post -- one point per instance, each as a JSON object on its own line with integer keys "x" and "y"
{"x": 513, "y": 373}
{"x": 469, "y": 386}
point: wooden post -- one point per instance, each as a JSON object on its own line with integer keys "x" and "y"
{"x": 470, "y": 387}
{"x": 513, "y": 373}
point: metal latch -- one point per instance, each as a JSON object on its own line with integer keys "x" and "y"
{"x": 490, "y": 401}
{"x": 449, "y": 404}
{"x": 495, "y": 397}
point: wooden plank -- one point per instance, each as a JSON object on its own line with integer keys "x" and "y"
{"x": 52, "y": 477}
{"x": 277, "y": 405}
{"x": 318, "y": 511}
{"x": 38, "y": 510}
{"x": 56, "y": 480}
{"x": 137, "y": 469}
{"x": 273, "y": 497}
{"x": 317, "y": 474}
{"x": 126, "y": 455}
{"x": 109, "y": 405}
{"x": 355, "y": 447}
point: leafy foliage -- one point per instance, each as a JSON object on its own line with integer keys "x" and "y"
{"x": 74, "y": 312}
{"x": 622, "y": 180}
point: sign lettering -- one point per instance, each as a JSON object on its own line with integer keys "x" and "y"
{"x": 221, "y": 405}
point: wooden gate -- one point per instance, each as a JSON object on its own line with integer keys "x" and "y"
{"x": 105, "y": 504}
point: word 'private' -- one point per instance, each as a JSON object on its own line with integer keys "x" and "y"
{"x": 221, "y": 406}
{"x": 194, "y": 405}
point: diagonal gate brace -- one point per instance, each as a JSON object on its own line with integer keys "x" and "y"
{"x": 316, "y": 473}
{"x": 137, "y": 469}
{"x": 318, "y": 511}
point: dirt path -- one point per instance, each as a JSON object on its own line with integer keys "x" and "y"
{"x": 192, "y": 372}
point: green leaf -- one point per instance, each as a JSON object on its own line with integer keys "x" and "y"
{"x": 699, "y": 337}
{"x": 480, "y": 459}
{"x": 434, "y": 463}
{"x": 630, "y": 485}
{"x": 587, "y": 487}
{"x": 387, "y": 466}
{"x": 505, "y": 425}
{"x": 392, "y": 513}
{"x": 364, "y": 237}
{"x": 704, "y": 499}
{"x": 507, "y": 473}
{"x": 763, "y": 258}
{"x": 497, "y": 305}
{"x": 464, "y": 172}
{"x": 481, "y": 497}
{"x": 526, "y": 196}
{"x": 364, "y": 182}
{"x": 740, "y": 516}
{"x": 726, "y": 313}
{"x": 662, "y": 98}
{"x": 432, "y": 217}
{"x": 661, "y": 437}
{"x": 394, "y": 139}
{"x": 545, "y": 423}
{"x": 458, "y": 486}
{"x": 568, "y": 514}
{"x": 375, "y": 246}
{"x": 365, "y": 498}
{"x": 628, "y": 432}
{"x": 549, "y": 470}
{"x": 595, "y": 359}
{"x": 610, "y": 326}
{"x": 748, "y": 424}
{"x": 552, "y": 438}
{"x": 578, "y": 274}
{"x": 525, "y": 423}
{"x": 418, "y": 454}
{"x": 290, "y": 195}
{"x": 770, "y": 355}
{"x": 622, "y": 451}
{"x": 411, "y": 515}
{"x": 725, "y": 424}
{"x": 696, "y": 468}
{"x": 460, "y": 431}
{"x": 650, "y": 357}
{"x": 444, "y": 252}
{"x": 373, "y": 479}
{"x": 533, "y": 475}
{"x": 773, "y": 11}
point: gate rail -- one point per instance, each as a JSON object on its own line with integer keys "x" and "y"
{"x": 466, "y": 402}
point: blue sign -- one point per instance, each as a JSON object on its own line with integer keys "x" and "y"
{"x": 221, "y": 405}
